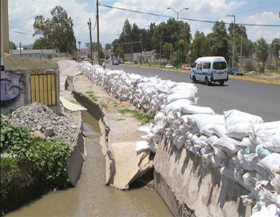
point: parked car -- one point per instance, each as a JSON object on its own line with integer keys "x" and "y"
{"x": 184, "y": 67}
{"x": 234, "y": 71}
{"x": 168, "y": 66}
{"x": 115, "y": 62}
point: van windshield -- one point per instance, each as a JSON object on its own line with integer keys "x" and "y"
{"x": 219, "y": 65}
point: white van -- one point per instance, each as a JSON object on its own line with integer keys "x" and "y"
{"x": 209, "y": 69}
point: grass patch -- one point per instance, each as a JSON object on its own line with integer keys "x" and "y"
{"x": 103, "y": 105}
{"x": 115, "y": 104}
{"x": 120, "y": 119}
{"x": 91, "y": 95}
{"x": 142, "y": 117}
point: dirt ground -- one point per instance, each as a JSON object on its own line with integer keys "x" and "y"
{"x": 123, "y": 127}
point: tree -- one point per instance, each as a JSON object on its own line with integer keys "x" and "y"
{"x": 41, "y": 43}
{"x": 199, "y": 47}
{"x": 57, "y": 32}
{"x": 276, "y": 46}
{"x": 218, "y": 40}
{"x": 108, "y": 46}
{"x": 166, "y": 50}
{"x": 262, "y": 50}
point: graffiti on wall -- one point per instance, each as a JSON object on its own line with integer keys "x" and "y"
{"x": 11, "y": 87}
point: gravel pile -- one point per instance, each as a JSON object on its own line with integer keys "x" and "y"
{"x": 38, "y": 117}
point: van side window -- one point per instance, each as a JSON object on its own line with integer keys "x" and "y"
{"x": 197, "y": 66}
{"x": 194, "y": 65}
{"x": 206, "y": 65}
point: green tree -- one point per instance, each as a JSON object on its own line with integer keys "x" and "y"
{"x": 262, "y": 50}
{"x": 58, "y": 31}
{"x": 167, "y": 50}
{"x": 276, "y": 46}
{"x": 199, "y": 47}
{"x": 108, "y": 46}
{"x": 41, "y": 43}
{"x": 218, "y": 40}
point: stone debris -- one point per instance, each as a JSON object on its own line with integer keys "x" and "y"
{"x": 38, "y": 117}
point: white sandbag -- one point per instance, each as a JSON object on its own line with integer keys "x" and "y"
{"x": 264, "y": 212}
{"x": 276, "y": 185}
{"x": 248, "y": 179}
{"x": 178, "y": 104}
{"x": 234, "y": 116}
{"x": 228, "y": 145}
{"x": 203, "y": 120}
{"x": 239, "y": 130}
{"x": 270, "y": 162}
{"x": 145, "y": 145}
{"x": 211, "y": 140}
{"x": 218, "y": 130}
{"x": 260, "y": 132}
{"x": 193, "y": 109}
{"x": 273, "y": 143}
{"x": 246, "y": 161}
{"x": 179, "y": 141}
{"x": 181, "y": 86}
{"x": 145, "y": 129}
{"x": 160, "y": 118}
{"x": 189, "y": 95}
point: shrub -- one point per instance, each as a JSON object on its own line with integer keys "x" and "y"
{"x": 23, "y": 159}
{"x": 261, "y": 69}
{"x": 249, "y": 66}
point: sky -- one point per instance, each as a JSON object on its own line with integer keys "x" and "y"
{"x": 261, "y": 15}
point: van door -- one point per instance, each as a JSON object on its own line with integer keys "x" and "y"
{"x": 199, "y": 71}
{"x": 219, "y": 70}
{"x": 206, "y": 70}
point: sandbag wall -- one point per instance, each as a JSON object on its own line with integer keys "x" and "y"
{"x": 241, "y": 146}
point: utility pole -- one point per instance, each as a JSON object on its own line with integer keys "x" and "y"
{"x": 233, "y": 36}
{"x": 89, "y": 26}
{"x": 177, "y": 33}
{"x": 97, "y": 23}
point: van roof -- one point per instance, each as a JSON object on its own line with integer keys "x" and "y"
{"x": 211, "y": 58}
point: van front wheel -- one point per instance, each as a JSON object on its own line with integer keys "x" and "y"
{"x": 194, "y": 79}
{"x": 207, "y": 82}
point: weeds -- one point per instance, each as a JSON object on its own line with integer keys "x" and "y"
{"x": 91, "y": 95}
{"x": 142, "y": 117}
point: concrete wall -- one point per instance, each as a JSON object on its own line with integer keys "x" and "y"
{"x": 15, "y": 90}
{"x": 189, "y": 189}
{"x": 77, "y": 157}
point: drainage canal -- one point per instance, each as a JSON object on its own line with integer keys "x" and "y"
{"x": 91, "y": 197}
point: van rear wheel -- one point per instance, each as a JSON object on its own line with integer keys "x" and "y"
{"x": 222, "y": 83}
{"x": 207, "y": 82}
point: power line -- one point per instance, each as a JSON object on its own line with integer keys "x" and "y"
{"x": 195, "y": 20}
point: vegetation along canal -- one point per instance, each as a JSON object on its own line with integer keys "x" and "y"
{"x": 91, "y": 197}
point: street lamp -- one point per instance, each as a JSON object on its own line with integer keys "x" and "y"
{"x": 79, "y": 48}
{"x": 230, "y": 15}
{"x": 177, "y": 12}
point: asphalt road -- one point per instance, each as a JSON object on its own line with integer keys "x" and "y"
{"x": 254, "y": 98}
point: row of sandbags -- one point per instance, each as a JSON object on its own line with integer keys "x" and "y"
{"x": 240, "y": 145}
